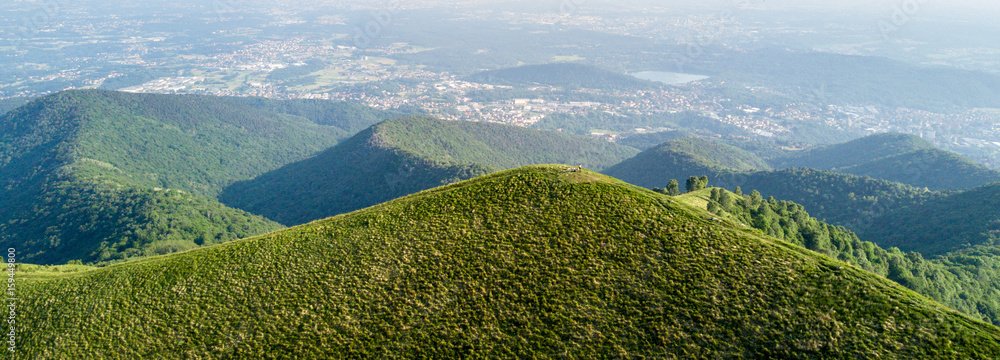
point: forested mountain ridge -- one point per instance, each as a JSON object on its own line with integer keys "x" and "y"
{"x": 402, "y": 156}
{"x": 902, "y": 158}
{"x": 86, "y": 175}
{"x": 538, "y": 261}
{"x": 194, "y": 143}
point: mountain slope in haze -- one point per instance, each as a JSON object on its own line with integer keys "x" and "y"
{"x": 403, "y": 156}
{"x": 534, "y": 262}
{"x": 968, "y": 281}
{"x": 567, "y": 75}
{"x": 856, "y": 152}
{"x": 848, "y": 79}
{"x": 840, "y": 199}
{"x": 83, "y": 173}
{"x": 901, "y": 158}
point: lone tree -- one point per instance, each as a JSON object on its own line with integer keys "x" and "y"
{"x": 673, "y": 188}
{"x": 704, "y": 181}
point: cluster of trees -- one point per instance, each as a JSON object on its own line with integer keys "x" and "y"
{"x": 693, "y": 184}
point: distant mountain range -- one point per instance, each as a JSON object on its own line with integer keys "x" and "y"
{"x": 534, "y": 262}
{"x": 902, "y": 158}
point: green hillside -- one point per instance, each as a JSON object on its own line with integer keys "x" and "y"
{"x": 566, "y": 75}
{"x": 901, "y": 158}
{"x": 967, "y": 281}
{"x": 950, "y": 223}
{"x": 403, "y": 156}
{"x": 534, "y": 262}
{"x": 82, "y": 173}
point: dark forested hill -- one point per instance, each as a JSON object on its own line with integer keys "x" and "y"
{"x": 534, "y": 262}
{"x": 403, "y": 156}
{"x": 901, "y": 158}
{"x": 84, "y": 174}
{"x": 566, "y": 75}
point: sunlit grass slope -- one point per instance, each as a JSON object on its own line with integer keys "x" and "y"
{"x": 526, "y": 263}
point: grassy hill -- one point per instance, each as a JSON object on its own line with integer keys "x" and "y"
{"x": 968, "y": 281}
{"x": 533, "y": 262}
{"x": 403, "y": 156}
{"x": 566, "y": 75}
{"x": 83, "y": 173}
{"x": 901, "y": 158}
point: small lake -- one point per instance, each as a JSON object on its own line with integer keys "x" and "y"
{"x": 670, "y": 78}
